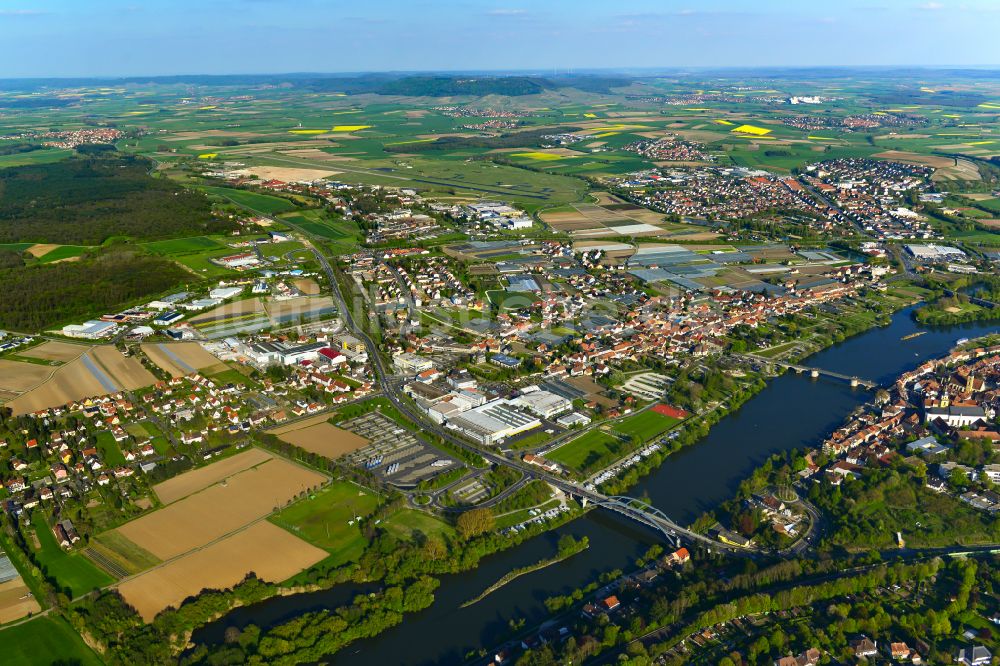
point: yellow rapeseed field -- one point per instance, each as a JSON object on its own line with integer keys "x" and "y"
{"x": 547, "y": 157}
{"x": 751, "y": 129}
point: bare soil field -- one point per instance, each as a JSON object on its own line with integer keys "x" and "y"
{"x": 191, "y": 482}
{"x": 288, "y": 174}
{"x": 41, "y": 249}
{"x": 991, "y": 224}
{"x": 18, "y": 376}
{"x": 580, "y": 225}
{"x": 307, "y": 286}
{"x": 978, "y": 196}
{"x": 246, "y": 306}
{"x": 125, "y": 371}
{"x": 14, "y": 602}
{"x": 298, "y": 425}
{"x": 325, "y": 439}
{"x": 303, "y": 306}
{"x": 234, "y": 502}
{"x": 916, "y": 158}
{"x": 946, "y": 167}
{"x": 76, "y": 380}
{"x": 264, "y": 549}
{"x": 181, "y": 358}
{"x": 56, "y": 351}
{"x": 702, "y": 136}
{"x": 606, "y": 198}
{"x": 593, "y": 389}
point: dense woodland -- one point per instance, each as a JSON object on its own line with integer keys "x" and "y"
{"x": 85, "y": 201}
{"x": 38, "y": 297}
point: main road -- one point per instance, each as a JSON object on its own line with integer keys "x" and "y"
{"x": 391, "y": 390}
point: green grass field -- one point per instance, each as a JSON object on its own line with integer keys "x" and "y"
{"x": 45, "y": 640}
{"x": 323, "y": 518}
{"x": 34, "y": 157}
{"x": 63, "y": 252}
{"x": 183, "y": 245}
{"x": 262, "y": 203}
{"x": 15, "y": 247}
{"x": 70, "y": 569}
{"x": 200, "y": 262}
{"x": 511, "y": 300}
{"x": 592, "y": 445}
{"x": 645, "y": 425}
{"x": 110, "y": 451}
{"x": 406, "y": 523}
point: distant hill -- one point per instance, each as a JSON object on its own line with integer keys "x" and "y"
{"x": 424, "y": 85}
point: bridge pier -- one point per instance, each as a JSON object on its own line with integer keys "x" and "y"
{"x": 854, "y": 382}
{"x": 814, "y": 374}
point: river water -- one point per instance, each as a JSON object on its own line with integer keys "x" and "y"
{"x": 792, "y": 412}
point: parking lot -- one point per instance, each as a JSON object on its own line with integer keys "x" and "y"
{"x": 395, "y": 453}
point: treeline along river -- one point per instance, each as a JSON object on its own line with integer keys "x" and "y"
{"x": 792, "y": 412}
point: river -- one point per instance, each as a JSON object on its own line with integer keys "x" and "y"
{"x": 792, "y": 412}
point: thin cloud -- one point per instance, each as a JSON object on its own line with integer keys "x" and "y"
{"x": 507, "y": 12}
{"x": 22, "y": 12}
{"x": 931, "y": 6}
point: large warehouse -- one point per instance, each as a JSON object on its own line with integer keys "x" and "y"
{"x": 493, "y": 422}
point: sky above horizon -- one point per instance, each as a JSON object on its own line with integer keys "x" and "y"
{"x": 160, "y": 37}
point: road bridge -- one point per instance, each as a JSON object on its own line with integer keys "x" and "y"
{"x": 813, "y": 372}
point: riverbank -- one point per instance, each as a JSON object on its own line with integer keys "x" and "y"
{"x": 564, "y": 553}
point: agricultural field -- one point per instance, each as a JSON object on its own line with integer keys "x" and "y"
{"x": 98, "y": 371}
{"x": 195, "y": 480}
{"x": 261, "y": 203}
{"x": 178, "y": 246}
{"x": 229, "y": 505}
{"x": 269, "y": 552}
{"x": 210, "y": 533}
{"x": 62, "y": 352}
{"x": 324, "y": 439}
{"x": 616, "y": 218}
{"x": 182, "y": 358}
